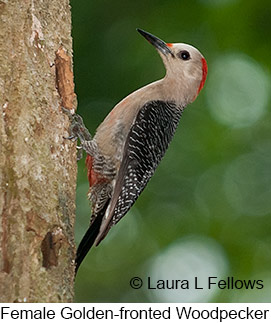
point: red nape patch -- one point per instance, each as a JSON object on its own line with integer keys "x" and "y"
{"x": 93, "y": 177}
{"x": 169, "y": 44}
{"x": 204, "y": 73}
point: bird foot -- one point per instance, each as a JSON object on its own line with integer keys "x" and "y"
{"x": 79, "y": 153}
{"x": 77, "y": 131}
{"x": 77, "y": 128}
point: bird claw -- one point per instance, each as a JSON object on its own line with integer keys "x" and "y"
{"x": 79, "y": 152}
{"x": 77, "y": 131}
{"x": 77, "y": 128}
{"x": 72, "y": 138}
{"x": 67, "y": 112}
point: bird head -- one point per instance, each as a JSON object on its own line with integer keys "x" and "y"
{"x": 185, "y": 65}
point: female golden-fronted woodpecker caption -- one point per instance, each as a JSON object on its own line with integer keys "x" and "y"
{"x": 133, "y": 138}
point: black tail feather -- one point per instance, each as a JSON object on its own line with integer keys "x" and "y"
{"x": 89, "y": 238}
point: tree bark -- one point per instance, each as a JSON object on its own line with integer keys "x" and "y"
{"x": 37, "y": 165}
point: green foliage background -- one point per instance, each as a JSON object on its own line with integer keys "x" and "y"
{"x": 214, "y": 182}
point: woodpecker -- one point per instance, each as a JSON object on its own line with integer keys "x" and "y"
{"x": 131, "y": 141}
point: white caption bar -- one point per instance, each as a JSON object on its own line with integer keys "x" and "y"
{"x": 129, "y": 312}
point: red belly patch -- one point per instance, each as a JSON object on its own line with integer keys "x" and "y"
{"x": 93, "y": 177}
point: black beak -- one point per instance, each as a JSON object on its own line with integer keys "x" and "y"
{"x": 156, "y": 42}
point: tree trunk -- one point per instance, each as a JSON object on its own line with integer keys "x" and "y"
{"x": 37, "y": 166}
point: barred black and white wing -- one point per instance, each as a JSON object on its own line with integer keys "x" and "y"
{"x": 145, "y": 146}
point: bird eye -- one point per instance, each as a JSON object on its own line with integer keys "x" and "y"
{"x": 184, "y": 55}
